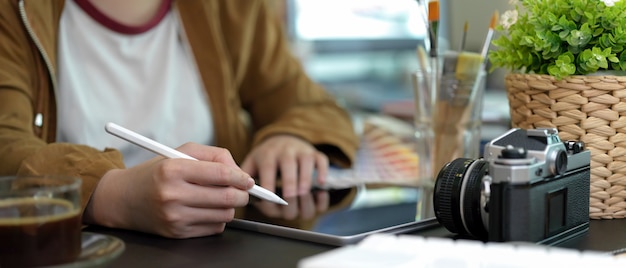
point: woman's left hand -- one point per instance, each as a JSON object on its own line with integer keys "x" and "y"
{"x": 293, "y": 159}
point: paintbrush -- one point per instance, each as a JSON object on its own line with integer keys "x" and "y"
{"x": 422, "y": 58}
{"x": 492, "y": 26}
{"x": 433, "y": 26}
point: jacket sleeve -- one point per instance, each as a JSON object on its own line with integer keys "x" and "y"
{"x": 275, "y": 90}
{"x": 21, "y": 150}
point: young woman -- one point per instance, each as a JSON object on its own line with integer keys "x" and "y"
{"x": 214, "y": 79}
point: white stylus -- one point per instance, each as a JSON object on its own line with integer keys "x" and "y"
{"x": 168, "y": 152}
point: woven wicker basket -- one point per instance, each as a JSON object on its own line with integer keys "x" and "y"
{"x": 591, "y": 109}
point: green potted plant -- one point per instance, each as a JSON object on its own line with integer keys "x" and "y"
{"x": 562, "y": 37}
{"x": 566, "y": 59}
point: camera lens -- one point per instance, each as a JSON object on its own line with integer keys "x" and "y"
{"x": 457, "y": 197}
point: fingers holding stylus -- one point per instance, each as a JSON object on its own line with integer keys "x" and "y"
{"x": 213, "y": 174}
{"x": 201, "y": 151}
{"x": 208, "y": 153}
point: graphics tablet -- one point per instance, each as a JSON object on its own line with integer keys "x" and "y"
{"x": 340, "y": 216}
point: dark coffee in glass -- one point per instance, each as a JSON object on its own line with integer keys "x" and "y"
{"x": 41, "y": 225}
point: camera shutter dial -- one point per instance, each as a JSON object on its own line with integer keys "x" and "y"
{"x": 514, "y": 156}
{"x": 511, "y": 152}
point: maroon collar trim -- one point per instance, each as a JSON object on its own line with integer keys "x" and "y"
{"x": 115, "y": 26}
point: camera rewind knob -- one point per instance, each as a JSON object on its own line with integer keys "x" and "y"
{"x": 574, "y": 147}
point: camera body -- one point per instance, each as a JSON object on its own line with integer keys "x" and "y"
{"x": 529, "y": 186}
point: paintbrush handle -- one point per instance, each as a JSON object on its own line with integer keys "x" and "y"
{"x": 487, "y": 43}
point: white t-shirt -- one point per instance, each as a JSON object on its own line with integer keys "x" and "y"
{"x": 146, "y": 81}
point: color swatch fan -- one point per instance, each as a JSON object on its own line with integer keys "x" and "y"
{"x": 386, "y": 155}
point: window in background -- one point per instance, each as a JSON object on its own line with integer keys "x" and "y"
{"x": 360, "y": 50}
{"x": 339, "y": 25}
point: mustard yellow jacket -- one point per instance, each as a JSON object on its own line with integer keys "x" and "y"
{"x": 256, "y": 88}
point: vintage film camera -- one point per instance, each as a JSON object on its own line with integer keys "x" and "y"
{"x": 529, "y": 186}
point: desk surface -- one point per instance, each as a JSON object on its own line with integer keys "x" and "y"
{"x": 240, "y": 248}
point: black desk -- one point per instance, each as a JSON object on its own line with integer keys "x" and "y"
{"x": 240, "y": 248}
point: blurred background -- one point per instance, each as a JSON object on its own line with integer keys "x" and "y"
{"x": 363, "y": 51}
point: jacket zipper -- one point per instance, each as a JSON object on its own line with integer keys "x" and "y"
{"x": 39, "y": 116}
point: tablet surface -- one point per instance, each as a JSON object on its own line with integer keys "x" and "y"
{"x": 340, "y": 216}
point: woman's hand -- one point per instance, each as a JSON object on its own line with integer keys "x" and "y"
{"x": 175, "y": 198}
{"x": 291, "y": 157}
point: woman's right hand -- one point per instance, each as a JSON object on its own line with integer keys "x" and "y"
{"x": 177, "y": 198}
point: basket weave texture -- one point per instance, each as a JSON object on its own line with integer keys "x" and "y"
{"x": 591, "y": 109}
